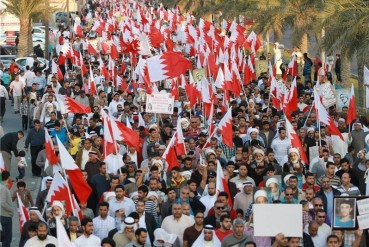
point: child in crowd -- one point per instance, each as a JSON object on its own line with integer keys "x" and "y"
{"x": 22, "y": 164}
{"x": 24, "y": 194}
{"x": 24, "y": 112}
{"x": 32, "y": 108}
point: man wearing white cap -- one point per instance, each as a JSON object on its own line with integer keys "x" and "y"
{"x": 207, "y": 238}
{"x": 294, "y": 163}
{"x": 244, "y": 199}
{"x": 87, "y": 238}
{"x": 253, "y": 135}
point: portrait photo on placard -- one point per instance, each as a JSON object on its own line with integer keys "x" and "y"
{"x": 344, "y": 212}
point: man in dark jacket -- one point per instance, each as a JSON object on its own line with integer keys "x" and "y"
{"x": 8, "y": 143}
{"x": 326, "y": 193}
{"x": 35, "y": 139}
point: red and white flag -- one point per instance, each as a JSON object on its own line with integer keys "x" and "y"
{"x": 225, "y": 125}
{"x": 222, "y": 184}
{"x": 351, "y": 115}
{"x": 69, "y": 105}
{"x": 49, "y": 150}
{"x": 56, "y": 70}
{"x": 110, "y": 145}
{"x": 324, "y": 117}
{"x": 167, "y": 66}
{"x": 295, "y": 141}
{"x": 77, "y": 29}
{"x": 59, "y": 191}
{"x": 180, "y": 144}
{"x": 126, "y": 134}
{"x": 23, "y": 213}
{"x": 91, "y": 83}
{"x": 79, "y": 184}
{"x": 290, "y": 104}
{"x": 170, "y": 154}
{"x": 63, "y": 239}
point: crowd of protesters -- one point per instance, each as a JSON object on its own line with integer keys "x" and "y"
{"x": 136, "y": 199}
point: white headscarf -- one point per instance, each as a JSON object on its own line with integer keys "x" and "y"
{"x": 200, "y": 239}
{"x": 161, "y": 234}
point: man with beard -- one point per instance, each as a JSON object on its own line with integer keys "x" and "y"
{"x": 210, "y": 198}
{"x": 297, "y": 193}
{"x": 192, "y": 233}
{"x": 225, "y": 227}
{"x": 238, "y": 238}
{"x": 294, "y": 164}
{"x": 318, "y": 168}
{"x": 87, "y": 239}
{"x": 208, "y": 238}
{"x": 358, "y": 137}
{"x": 34, "y": 219}
{"x": 244, "y": 198}
{"x": 41, "y": 239}
{"x": 310, "y": 182}
{"x": 281, "y": 145}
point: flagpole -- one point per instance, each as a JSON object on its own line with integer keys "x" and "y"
{"x": 69, "y": 193}
{"x": 210, "y": 136}
{"x": 311, "y": 108}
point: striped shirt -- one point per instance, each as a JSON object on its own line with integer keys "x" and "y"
{"x": 351, "y": 191}
{"x": 150, "y": 207}
{"x": 335, "y": 181}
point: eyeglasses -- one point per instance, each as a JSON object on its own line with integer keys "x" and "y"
{"x": 318, "y": 205}
{"x": 220, "y": 208}
{"x": 289, "y": 194}
{"x": 211, "y": 177}
{"x": 321, "y": 216}
{"x": 193, "y": 122}
{"x": 238, "y": 160}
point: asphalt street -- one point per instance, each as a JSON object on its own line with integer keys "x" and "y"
{"x": 12, "y": 123}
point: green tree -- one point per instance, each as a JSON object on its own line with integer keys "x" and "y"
{"x": 347, "y": 23}
{"x": 25, "y": 10}
{"x": 302, "y": 16}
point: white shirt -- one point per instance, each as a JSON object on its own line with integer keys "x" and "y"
{"x": 208, "y": 202}
{"x": 280, "y": 148}
{"x": 113, "y": 163}
{"x": 3, "y": 92}
{"x": 113, "y": 106}
{"x": 102, "y": 226}
{"x": 127, "y": 204}
{"x": 91, "y": 241}
{"x": 173, "y": 226}
{"x": 17, "y": 88}
{"x": 35, "y": 242}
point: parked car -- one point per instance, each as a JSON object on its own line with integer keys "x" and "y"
{"x": 24, "y": 61}
{"x": 7, "y": 53}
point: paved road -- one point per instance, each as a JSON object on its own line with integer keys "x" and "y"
{"x": 12, "y": 123}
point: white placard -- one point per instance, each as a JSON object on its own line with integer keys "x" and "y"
{"x": 363, "y": 206}
{"x": 271, "y": 219}
{"x": 328, "y": 93}
{"x": 160, "y": 103}
{"x": 363, "y": 221}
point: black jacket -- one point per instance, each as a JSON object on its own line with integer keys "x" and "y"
{"x": 9, "y": 143}
{"x": 150, "y": 226}
{"x": 321, "y": 195}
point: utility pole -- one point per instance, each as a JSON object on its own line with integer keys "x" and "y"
{"x": 47, "y": 36}
{"x": 68, "y": 19}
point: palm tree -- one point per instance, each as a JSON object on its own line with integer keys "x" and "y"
{"x": 301, "y": 16}
{"x": 347, "y": 23}
{"x": 25, "y": 10}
